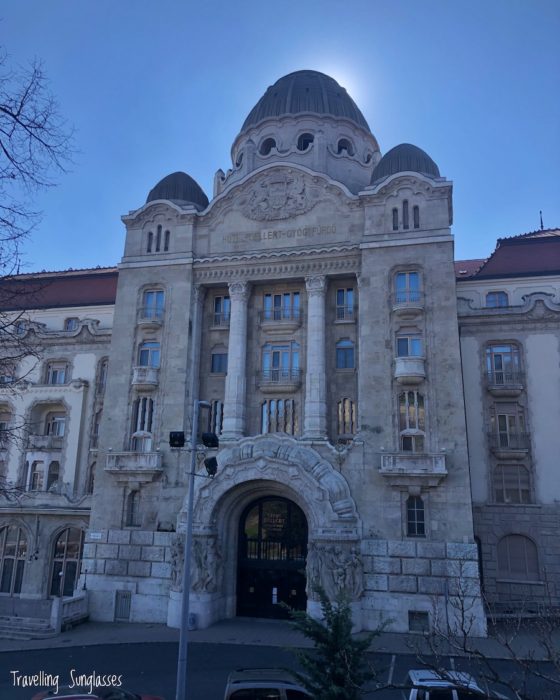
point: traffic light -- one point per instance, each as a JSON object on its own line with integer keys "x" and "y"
{"x": 211, "y": 464}
{"x": 177, "y": 438}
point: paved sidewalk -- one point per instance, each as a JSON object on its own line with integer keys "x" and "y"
{"x": 243, "y": 631}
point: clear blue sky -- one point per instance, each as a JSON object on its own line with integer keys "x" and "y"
{"x": 152, "y": 87}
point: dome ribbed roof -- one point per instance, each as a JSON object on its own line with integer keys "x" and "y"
{"x": 305, "y": 91}
{"x": 181, "y": 188}
{"x": 405, "y": 157}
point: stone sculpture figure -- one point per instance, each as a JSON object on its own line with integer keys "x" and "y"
{"x": 177, "y": 561}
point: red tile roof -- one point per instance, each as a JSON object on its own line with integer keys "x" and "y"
{"x": 59, "y": 289}
{"x": 467, "y": 268}
{"x": 531, "y": 254}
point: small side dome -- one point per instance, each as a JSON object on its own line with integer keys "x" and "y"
{"x": 179, "y": 188}
{"x": 402, "y": 158}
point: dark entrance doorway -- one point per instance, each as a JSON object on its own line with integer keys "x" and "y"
{"x": 271, "y": 560}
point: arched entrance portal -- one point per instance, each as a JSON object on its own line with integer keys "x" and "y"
{"x": 271, "y": 560}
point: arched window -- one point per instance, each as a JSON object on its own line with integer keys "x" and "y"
{"x": 142, "y": 418}
{"x": 67, "y": 555}
{"x": 94, "y": 442}
{"x": 239, "y": 159}
{"x": 132, "y": 515}
{"x": 304, "y": 141}
{"x": 345, "y": 354}
{"x": 158, "y": 238}
{"x": 405, "y": 214}
{"x": 13, "y": 552}
{"x": 512, "y": 484}
{"x": 346, "y": 424}
{"x": 395, "y": 219}
{"x": 266, "y": 146}
{"x": 37, "y": 475}
{"x": 412, "y": 421}
{"x": 53, "y": 476}
{"x": 166, "y": 241}
{"x": 415, "y": 517}
{"x": 345, "y": 146}
{"x": 416, "y": 216}
{"x": 279, "y": 416}
{"x": 150, "y": 242}
{"x": 518, "y": 558}
{"x": 90, "y": 482}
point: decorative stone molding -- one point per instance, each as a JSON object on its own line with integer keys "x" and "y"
{"x": 336, "y": 568}
{"x": 410, "y": 469}
{"x": 239, "y": 290}
{"x": 287, "y": 462}
{"x": 279, "y": 195}
{"x": 536, "y": 306}
{"x": 315, "y": 285}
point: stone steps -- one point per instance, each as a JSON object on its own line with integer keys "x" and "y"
{"x": 25, "y": 628}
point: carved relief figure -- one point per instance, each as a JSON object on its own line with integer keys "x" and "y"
{"x": 177, "y": 561}
{"x": 206, "y": 560}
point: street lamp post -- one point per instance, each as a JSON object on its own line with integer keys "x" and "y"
{"x": 181, "y": 693}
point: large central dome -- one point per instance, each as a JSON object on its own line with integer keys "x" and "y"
{"x": 305, "y": 91}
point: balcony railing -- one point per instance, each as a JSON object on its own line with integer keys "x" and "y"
{"x": 150, "y": 315}
{"x": 409, "y": 370}
{"x": 145, "y": 377}
{"x": 514, "y": 442}
{"x": 220, "y": 319}
{"x": 280, "y": 376}
{"x": 44, "y": 442}
{"x": 345, "y": 313}
{"x": 411, "y": 299}
{"x": 281, "y": 319}
{"x": 134, "y": 466}
{"x": 505, "y": 383}
{"x": 409, "y": 468}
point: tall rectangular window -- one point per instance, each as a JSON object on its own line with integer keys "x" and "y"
{"x": 57, "y": 373}
{"x": 149, "y": 354}
{"x": 345, "y": 303}
{"x": 407, "y": 287}
{"x": 281, "y": 307}
{"x": 222, "y": 310}
{"x": 415, "y": 517}
{"x": 152, "y": 303}
{"x": 279, "y": 416}
{"x": 218, "y": 363}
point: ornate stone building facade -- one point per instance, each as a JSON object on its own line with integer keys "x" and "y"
{"x": 312, "y": 304}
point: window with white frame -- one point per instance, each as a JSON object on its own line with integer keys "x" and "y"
{"x": 153, "y": 304}
{"x": 279, "y": 416}
{"x": 345, "y": 354}
{"x": 502, "y": 363}
{"x": 412, "y": 421}
{"x": 407, "y": 287}
{"x": 57, "y": 372}
{"x": 222, "y": 311}
{"x": 346, "y": 417}
{"x": 512, "y": 483}
{"x": 415, "y": 517}
{"x": 55, "y": 424}
{"x": 280, "y": 361}
{"x": 409, "y": 345}
{"x": 142, "y": 422}
{"x": 283, "y": 306}
{"x": 345, "y": 303}
{"x": 497, "y": 299}
{"x": 507, "y": 422}
{"x": 149, "y": 354}
{"x": 37, "y": 475}
{"x": 518, "y": 558}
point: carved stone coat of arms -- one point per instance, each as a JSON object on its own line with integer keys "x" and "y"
{"x": 279, "y": 196}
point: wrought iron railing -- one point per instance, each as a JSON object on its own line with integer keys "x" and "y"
{"x": 281, "y": 376}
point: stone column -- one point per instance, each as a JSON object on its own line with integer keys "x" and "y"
{"x": 315, "y": 415}
{"x": 236, "y": 381}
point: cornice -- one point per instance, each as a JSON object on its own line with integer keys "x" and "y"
{"x": 279, "y": 263}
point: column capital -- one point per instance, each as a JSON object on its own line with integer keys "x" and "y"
{"x": 316, "y": 285}
{"x": 199, "y": 292}
{"x": 239, "y": 290}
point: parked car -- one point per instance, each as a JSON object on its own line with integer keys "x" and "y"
{"x": 99, "y": 694}
{"x": 426, "y": 684}
{"x": 263, "y": 684}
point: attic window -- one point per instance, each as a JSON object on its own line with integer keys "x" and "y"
{"x": 239, "y": 159}
{"x": 266, "y": 146}
{"x": 345, "y": 147}
{"x": 304, "y": 141}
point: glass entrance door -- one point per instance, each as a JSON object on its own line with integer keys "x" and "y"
{"x": 271, "y": 560}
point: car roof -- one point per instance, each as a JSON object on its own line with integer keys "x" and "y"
{"x": 426, "y": 677}
{"x": 258, "y": 675}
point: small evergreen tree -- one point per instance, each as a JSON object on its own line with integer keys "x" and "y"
{"x": 337, "y": 669}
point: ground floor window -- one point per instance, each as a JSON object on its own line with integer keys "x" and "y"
{"x": 13, "y": 552}
{"x": 67, "y": 555}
